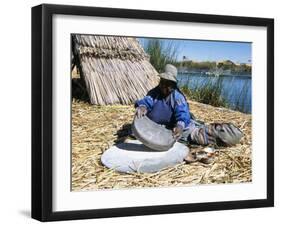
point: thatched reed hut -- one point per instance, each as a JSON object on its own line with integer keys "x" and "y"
{"x": 115, "y": 70}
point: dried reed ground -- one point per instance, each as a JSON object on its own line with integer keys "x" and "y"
{"x": 94, "y": 129}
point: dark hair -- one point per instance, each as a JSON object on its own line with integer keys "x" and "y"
{"x": 178, "y": 89}
{"x": 169, "y": 83}
{"x": 174, "y": 86}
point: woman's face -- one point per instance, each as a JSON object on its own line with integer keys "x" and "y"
{"x": 166, "y": 86}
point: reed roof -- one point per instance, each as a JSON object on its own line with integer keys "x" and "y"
{"x": 116, "y": 70}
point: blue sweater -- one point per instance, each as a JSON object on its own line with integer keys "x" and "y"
{"x": 177, "y": 101}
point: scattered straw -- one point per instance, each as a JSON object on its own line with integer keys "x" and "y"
{"x": 96, "y": 128}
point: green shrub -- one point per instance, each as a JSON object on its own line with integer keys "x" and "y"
{"x": 161, "y": 53}
{"x": 207, "y": 93}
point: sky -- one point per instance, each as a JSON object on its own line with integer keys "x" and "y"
{"x": 197, "y": 50}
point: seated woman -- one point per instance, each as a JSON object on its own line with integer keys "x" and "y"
{"x": 166, "y": 105}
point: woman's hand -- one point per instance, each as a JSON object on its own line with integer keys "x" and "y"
{"x": 141, "y": 111}
{"x": 177, "y": 132}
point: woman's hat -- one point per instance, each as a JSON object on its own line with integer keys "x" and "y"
{"x": 170, "y": 73}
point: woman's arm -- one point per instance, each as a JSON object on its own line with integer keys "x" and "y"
{"x": 148, "y": 100}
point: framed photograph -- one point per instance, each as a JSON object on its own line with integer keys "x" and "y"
{"x": 146, "y": 112}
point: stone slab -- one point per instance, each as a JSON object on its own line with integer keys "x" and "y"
{"x": 133, "y": 156}
{"x": 152, "y": 135}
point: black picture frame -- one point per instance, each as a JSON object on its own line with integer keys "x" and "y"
{"x": 42, "y": 111}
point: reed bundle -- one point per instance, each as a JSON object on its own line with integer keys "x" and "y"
{"x": 116, "y": 70}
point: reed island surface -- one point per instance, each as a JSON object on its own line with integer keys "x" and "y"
{"x": 96, "y": 128}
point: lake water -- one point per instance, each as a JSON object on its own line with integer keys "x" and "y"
{"x": 236, "y": 90}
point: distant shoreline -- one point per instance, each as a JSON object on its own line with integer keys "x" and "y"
{"x": 226, "y": 67}
{"x": 222, "y": 75}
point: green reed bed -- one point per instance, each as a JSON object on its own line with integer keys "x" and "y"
{"x": 209, "y": 92}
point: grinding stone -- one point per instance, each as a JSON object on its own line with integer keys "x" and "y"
{"x": 152, "y": 135}
{"x": 135, "y": 157}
